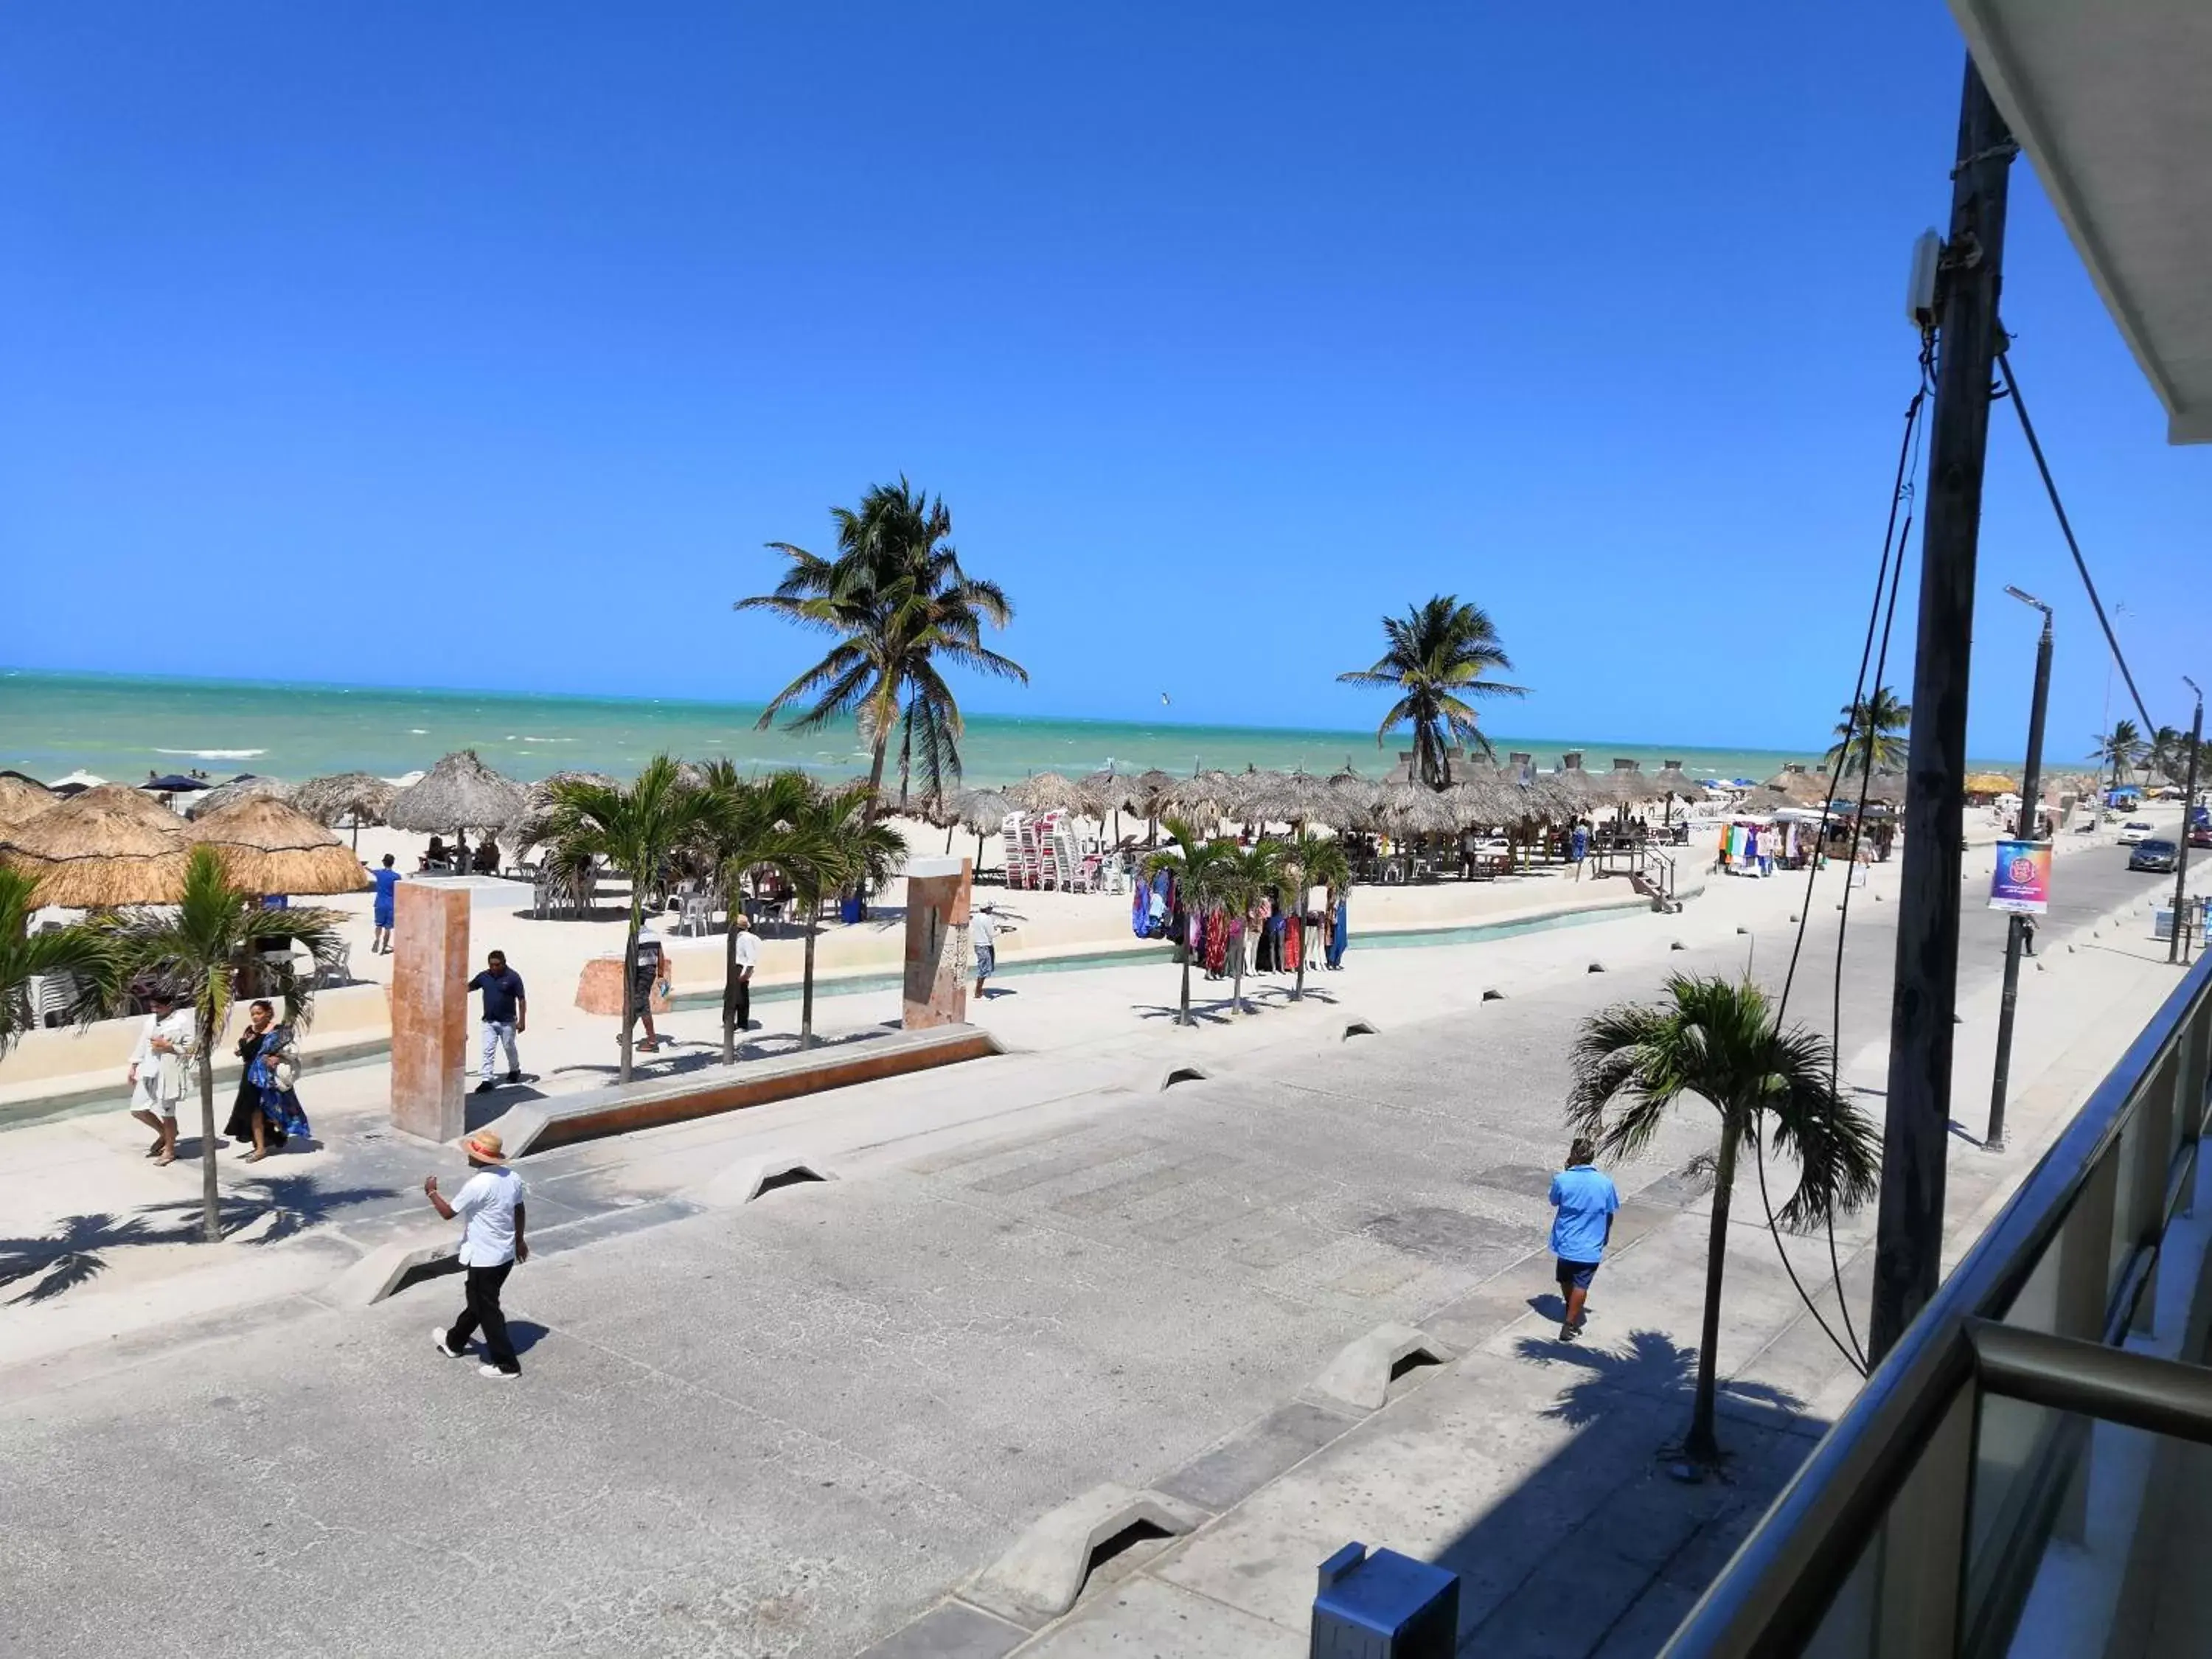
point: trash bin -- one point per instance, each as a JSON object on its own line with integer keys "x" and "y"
{"x": 851, "y": 909}
{"x": 1383, "y": 1605}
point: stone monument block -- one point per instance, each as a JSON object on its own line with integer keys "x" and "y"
{"x": 936, "y": 991}
{"x": 429, "y": 1008}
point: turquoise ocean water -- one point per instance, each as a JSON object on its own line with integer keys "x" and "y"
{"x": 121, "y": 727}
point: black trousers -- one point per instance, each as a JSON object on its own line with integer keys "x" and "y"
{"x": 481, "y": 1308}
{"x": 738, "y": 1006}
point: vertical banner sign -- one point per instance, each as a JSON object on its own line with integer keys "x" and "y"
{"x": 2022, "y": 881}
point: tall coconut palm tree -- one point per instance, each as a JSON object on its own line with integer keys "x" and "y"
{"x": 1868, "y": 737}
{"x": 81, "y": 956}
{"x": 1244, "y": 876}
{"x": 1438, "y": 654}
{"x": 1193, "y": 858}
{"x": 1311, "y": 861}
{"x": 2167, "y": 754}
{"x": 900, "y": 604}
{"x": 2122, "y": 749}
{"x": 1716, "y": 1039}
{"x": 195, "y": 948}
{"x": 831, "y": 843}
{"x": 637, "y": 828}
{"x": 747, "y": 827}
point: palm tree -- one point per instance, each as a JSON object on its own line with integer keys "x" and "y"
{"x": 1438, "y": 654}
{"x": 2122, "y": 751}
{"x": 1717, "y": 1039}
{"x": 1191, "y": 858}
{"x": 1866, "y": 737}
{"x": 1311, "y": 861}
{"x": 747, "y": 827}
{"x": 1242, "y": 876}
{"x": 196, "y": 947}
{"x": 2168, "y": 754}
{"x": 830, "y": 843}
{"x": 637, "y": 829}
{"x": 899, "y": 601}
{"x": 81, "y": 956}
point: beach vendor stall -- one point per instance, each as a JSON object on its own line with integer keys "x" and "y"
{"x": 1747, "y": 844}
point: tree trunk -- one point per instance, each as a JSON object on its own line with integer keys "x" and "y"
{"x": 730, "y": 982}
{"x": 1184, "y": 1018}
{"x": 1236, "y": 947}
{"x": 1305, "y": 946}
{"x": 629, "y": 979}
{"x": 210, "y": 1194}
{"x": 1703, "y": 1446}
{"x": 905, "y": 754}
{"x": 813, "y": 902}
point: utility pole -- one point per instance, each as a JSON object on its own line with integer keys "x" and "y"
{"x": 1909, "y": 1229}
{"x": 2176, "y": 949}
{"x": 2030, "y": 814}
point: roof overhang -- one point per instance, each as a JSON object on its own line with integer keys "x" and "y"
{"x": 2112, "y": 101}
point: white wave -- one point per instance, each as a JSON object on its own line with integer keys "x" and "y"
{"x": 548, "y": 740}
{"x": 418, "y": 731}
{"x": 214, "y": 754}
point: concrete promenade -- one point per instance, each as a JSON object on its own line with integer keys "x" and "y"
{"x": 799, "y": 1427}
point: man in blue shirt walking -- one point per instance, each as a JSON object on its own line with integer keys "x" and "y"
{"x": 506, "y": 1013}
{"x": 1585, "y": 1198}
{"x": 386, "y": 879}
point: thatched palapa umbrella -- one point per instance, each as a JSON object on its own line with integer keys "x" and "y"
{"x": 529, "y": 826}
{"x": 1047, "y": 791}
{"x": 982, "y": 811}
{"x": 360, "y": 796}
{"x": 267, "y": 847}
{"x": 460, "y": 793}
{"x": 238, "y": 789}
{"x": 22, "y": 799}
{"x": 100, "y": 849}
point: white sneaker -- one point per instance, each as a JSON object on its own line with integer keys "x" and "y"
{"x": 489, "y": 1370}
{"x": 438, "y": 1341}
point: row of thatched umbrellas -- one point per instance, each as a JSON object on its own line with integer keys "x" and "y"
{"x": 1479, "y": 797}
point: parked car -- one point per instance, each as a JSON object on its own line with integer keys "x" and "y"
{"x": 2153, "y": 855}
{"x": 2135, "y": 830}
{"x": 2200, "y": 835}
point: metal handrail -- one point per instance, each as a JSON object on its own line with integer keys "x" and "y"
{"x": 1772, "y": 1596}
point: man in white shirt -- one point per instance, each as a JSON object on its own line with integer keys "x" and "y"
{"x": 490, "y": 1208}
{"x": 156, "y": 1078}
{"x": 745, "y": 957}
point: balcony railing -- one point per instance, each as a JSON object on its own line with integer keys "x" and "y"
{"x": 1921, "y": 1522}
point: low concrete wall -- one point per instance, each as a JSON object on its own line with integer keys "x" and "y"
{"x": 560, "y": 1120}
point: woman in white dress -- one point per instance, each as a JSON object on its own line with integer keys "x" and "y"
{"x": 157, "y": 1079}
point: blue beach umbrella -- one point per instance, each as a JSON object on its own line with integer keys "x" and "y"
{"x": 175, "y": 784}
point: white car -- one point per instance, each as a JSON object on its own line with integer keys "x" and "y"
{"x": 2135, "y": 830}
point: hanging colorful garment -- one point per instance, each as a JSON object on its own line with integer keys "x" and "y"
{"x": 1217, "y": 942}
{"x": 1293, "y": 943}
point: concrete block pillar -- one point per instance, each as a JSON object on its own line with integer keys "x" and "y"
{"x": 429, "y": 1008}
{"x": 936, "y": 992}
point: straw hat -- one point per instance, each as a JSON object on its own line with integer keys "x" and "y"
{"x": 267, "y": 846}
{"x": 486, "y": 1146}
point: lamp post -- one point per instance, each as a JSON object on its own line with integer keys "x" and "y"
{"x": 2030, "y": 815}
{"x": 2175, "y": 950}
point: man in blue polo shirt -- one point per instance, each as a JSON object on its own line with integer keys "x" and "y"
{"x": 506, "y": 1013}
{"x": 1585, "y": 1198}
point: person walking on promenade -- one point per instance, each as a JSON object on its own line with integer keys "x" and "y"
{"x": 746, "y": 954}
{"x": 506, "y": 1016}
{"x": 249, "y": 1123}
{"x": 1586, "y": 1200}
{"x": 490, "y": 1210}
{"x": 650, "y": 976}
{"x": 156, "y": 1076}
{"x": 984, "y": 940}
{"x": 385, "y": 880}
{"x": 1578, "y": 845}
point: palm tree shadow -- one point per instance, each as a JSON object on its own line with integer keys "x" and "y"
{"x": 1653, "y": 1371}
{"x": 67, "y": 1257}
{"x": 1217, "y": 1014}
{"x": 294, "y": 1203}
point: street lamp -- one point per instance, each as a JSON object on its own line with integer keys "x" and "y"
{"x": 2031, "y": 824}
{"x": 2175, "y": 950}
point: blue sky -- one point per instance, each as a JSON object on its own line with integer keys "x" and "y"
{"x": 484, "y": 345}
